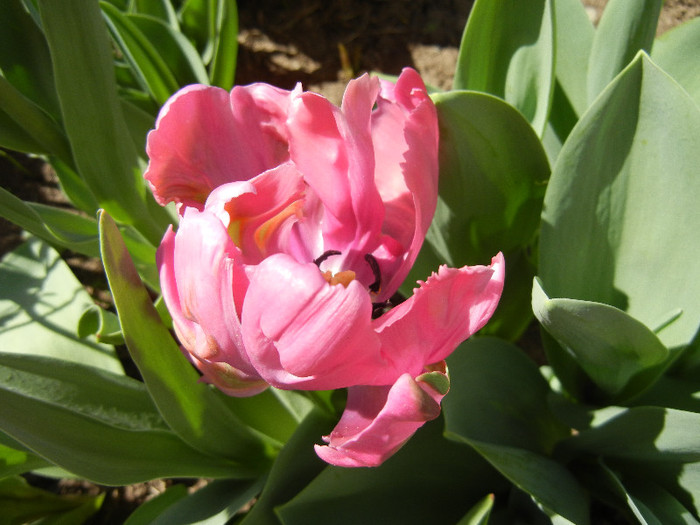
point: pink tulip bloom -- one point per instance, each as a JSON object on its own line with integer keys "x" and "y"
{"x": 298, "y": 222}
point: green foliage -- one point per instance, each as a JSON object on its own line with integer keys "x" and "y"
{"x": 571, "y": 149}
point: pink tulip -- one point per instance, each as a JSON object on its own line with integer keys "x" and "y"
{"x": 298, "y": 222}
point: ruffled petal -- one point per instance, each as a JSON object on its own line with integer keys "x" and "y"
{"x": 302, "y": 332}
{"x": 205, "y": 137}
{"x": 444, "y": 311}
{"x": 332, "y": 147}
{"x": 265, "y": 215}
{"x": 211, "y": 284}
{"x": 405, "y": 137}
{"x": 378, "y": 420}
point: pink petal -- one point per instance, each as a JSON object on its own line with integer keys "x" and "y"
{"x": 332, "y": 147}
{"x": 444, "y": 311}
{"x": 265, "y": 215}
{"x": 206, "y": 137}
{"x": 302, "y": 332}
{"x": 405, "y": 137}
{"x": 206, "y": 286}
{"x": 228, "y": 379}
{"x": 378, "y": 420}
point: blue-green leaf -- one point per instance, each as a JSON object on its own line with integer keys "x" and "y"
{"x": 508, "y": 50}
{"x": 624, "y": 29}
{"x": 620, "y": 208}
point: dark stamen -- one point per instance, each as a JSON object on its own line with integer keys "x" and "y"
{"x": 377, "y": 284}
{"x": 325, "y": 256}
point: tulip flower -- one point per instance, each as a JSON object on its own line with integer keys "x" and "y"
{"x": 298, "y": 222}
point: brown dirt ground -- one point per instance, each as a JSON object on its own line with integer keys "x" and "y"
{"x": 323, "y": 45}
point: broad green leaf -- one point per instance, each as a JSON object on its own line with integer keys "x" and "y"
{"x": 147, "y": 63}
{"x": 222, "y": 70}
{"x": 430, "y": 480}
{"x": 673, "y": 392}
{"x": 641, "y": 434}
{"x": 13, "y": 461}
{"x": 498, "y": 405}
{"x": 102, "y": 149}
{"x": 268, "y": 413}
{"x": 14, "y": 137}
{"x": 492, "y": 175}
{"x": 295, "y": 467}
{"x": 624, "y": 29}
{"x": 610, "y": 345}
{"x": 94, "y": 423}
{"x": 149, "y": 511}
{"x": 191, "y": 408}
{"x": 74, "y": 233}
{"x": 508, "y": 50}
{"x": 574, "y": 38}
{"x": 40, "y": 306}
{"x": 497, "y": 395}
{"x": 492, "y": 179}
{"x": 676, "y": 52}
{"x": 35, "y": 122}
{"x": 214, "y": 504}
{"x": 176, "y": 51}
{"x": 657, "y": 505}
{"x": 619, "y": 211}
{"x": 22, "y": 503}
{"x": 550, "y": 483}
{"x": 24, "y": 57}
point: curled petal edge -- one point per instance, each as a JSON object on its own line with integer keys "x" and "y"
{"x": 379, "y": 420}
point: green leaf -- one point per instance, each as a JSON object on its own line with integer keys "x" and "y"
{"x": 214, "y": 504}
{"x": 41, "y": 304}
{"x": 34, "y": 121}
{"x": 160, "y": 9}
{"x": 25, "y": 59}
{"x": 404, "y": 489}
{"x": 191, "y": 408}
{"x": 53, "y": 225}
{"x": 499, "y": 396}
{"x": 498, "y": 405}
{"x": 96, "y": 424}
{"x": 676, "y": 52}
{"x": 640, "y": 434}
{"x": 13, "y": 461}
{"x": 150, "y": 67}
{"x": 479, "y": 513}
{"x": 610, "y": 345}
{"x": 508, "y": 50}
{"x": 177, "y": 52}
{"x": 550, "y": 483}
{"x": 102, "y": 324}
{"x": 295, "y": 466}
{"x": 224, "y": 37}
{"x": 492, "y": 179}
{"x": 149, "y": 511}
{"x": 574, "y": 38}
{"x": 492, "y": 175}
{"x": 22, "y": 503}
{"x": 619, "y": 210}
{"x": 103, "y": 151}
{"x": 624, "y": 29}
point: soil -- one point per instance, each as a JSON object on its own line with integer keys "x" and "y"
{"x": 322, "y": 45}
